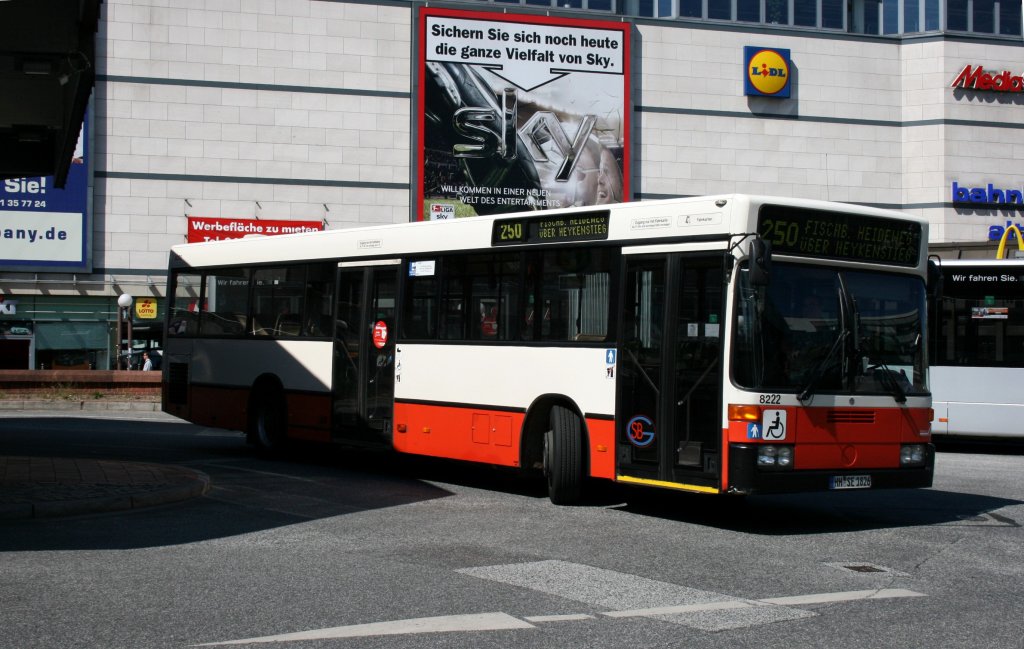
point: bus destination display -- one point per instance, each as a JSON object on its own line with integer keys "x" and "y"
{"x": 983, "y": 282}
{"x": 583, "y": 226}
{"x": 834, "y": 235}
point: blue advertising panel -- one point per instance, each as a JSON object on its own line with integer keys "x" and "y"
{"x": 43, "y": 227}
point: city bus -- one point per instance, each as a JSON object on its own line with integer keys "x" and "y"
{"x": 977, "y": 364}
{"x": 721, "y": 345}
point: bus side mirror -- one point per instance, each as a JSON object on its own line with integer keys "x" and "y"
{"x": 760, "y": 261}
{"x": 934, "y": 280}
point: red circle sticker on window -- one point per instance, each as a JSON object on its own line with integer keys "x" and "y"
{"x": 380, "y": 334}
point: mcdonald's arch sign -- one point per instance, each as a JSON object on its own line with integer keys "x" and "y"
{"x": 1001, "y": 251}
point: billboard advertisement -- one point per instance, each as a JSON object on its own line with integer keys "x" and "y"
{"x": 213, "y": 228}
{"x": 520, "y": 112}
{"x": 43, "y": 227}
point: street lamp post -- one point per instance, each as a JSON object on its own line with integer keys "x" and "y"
{"x": 124, "y": 314}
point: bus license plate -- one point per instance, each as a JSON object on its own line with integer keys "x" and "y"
{"x": 850, "y": 482}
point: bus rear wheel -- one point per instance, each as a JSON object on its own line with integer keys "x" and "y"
{"x": 269, "y": 421}
{"x": 563, "y": 457}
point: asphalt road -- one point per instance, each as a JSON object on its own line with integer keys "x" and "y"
{"x": 332, "y": 548}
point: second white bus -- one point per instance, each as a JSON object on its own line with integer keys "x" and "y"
{"x": 977, "y": 362}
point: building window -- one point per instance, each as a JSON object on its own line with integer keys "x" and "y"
{"x": 748, "y": 11}
{"x": 877, "y": 17}
{"x": 805, "y": 13}
{"x": 832, "y": 14}
{"x": 911, "y": 16}
{"x": 932, "y": 16}
{"x": 984, "y": 16}
{"x": 776, "y": 12}
{"x": 592, "y": 5}
{"x": 1009, "y": 18}
{"x": 890, "y": 16}
{"x": 691, "y": 8}
{"x": 720, "y": 9}
{"x": 956, "y": 15}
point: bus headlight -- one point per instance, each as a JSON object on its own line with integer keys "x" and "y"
{"x": 775, "y": 456}
{"x": 912, "y": 455}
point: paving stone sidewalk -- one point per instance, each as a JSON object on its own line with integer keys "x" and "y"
{"x": 38, "y": 487}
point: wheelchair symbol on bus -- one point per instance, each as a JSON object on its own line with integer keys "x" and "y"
{"x": 773, "y": 424}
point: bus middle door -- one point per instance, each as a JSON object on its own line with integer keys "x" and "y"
{"x": 669, "y": 387}
{"x": 364, "y": 352}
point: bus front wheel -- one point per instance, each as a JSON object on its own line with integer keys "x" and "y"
{"x": 563, "y": 457}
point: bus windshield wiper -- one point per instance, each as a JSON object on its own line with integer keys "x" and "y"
{"x": 888, "y": 379}
{"x": 819, "y": 370}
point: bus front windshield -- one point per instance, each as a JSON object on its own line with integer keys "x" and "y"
{"x": 820, "y": 330}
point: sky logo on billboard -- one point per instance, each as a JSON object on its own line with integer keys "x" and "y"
{"x": 767, "y": 72}
{"x": 442, "y": 211}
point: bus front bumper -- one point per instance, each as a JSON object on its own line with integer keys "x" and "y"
{"x": 745, "y": 477}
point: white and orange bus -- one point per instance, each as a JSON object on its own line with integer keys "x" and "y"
{"x": 725, "y": 344}
{"x": 977, "y": 363}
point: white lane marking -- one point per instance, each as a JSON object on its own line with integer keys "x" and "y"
{"x": 441, "y": 624}
{"x": 572, "y": 617}
{"x": 675, "y": 610}
{"x": 848, "y": 596}
{"x": 664, "y": 601}
{"x": 704, "y": 610}
{"x": 594, "y": 586}
{"x": 800, "y": 600}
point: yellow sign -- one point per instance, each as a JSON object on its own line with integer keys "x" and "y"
{"x": 1001, "y": 252}
{"x": 767, "y": 72}
{"x": 145, "y": 308}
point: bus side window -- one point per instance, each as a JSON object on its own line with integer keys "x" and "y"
{"x": 184, "y": 309}
{"x": 225, "y": 297}
{"x": 318, "y": 299}
{"x": 575, "y": 289}
{"x": 419, "y": 321}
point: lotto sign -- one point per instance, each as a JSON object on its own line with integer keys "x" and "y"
{"x": 767, "y": 72}
{"x": 145, "y": 308}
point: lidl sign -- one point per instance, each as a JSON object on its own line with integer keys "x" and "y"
{"x": 768, "y": 72}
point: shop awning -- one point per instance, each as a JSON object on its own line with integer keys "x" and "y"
{"x": 72, "y": 335}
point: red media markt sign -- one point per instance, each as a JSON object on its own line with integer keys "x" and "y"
{"x": 976, "y": 78}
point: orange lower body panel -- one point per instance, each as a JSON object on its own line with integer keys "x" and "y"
{"x": 488, "y": 436}
{"x": 309, "y": 415}
{"x": 838, "y": 438}
{"x": 219, "y": 407}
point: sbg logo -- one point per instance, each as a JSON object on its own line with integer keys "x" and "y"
{"x": 640, "y": 431}
{"x": 492, "y": 132}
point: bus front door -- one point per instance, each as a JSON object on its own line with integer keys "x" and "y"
{"x": 670, "y": 374}
{"x": 364, "y": 352}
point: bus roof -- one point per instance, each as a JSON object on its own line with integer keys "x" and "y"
{"x": 705, "y": 217}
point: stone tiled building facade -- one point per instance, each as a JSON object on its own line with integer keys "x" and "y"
{"x": 306, "y": 110}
